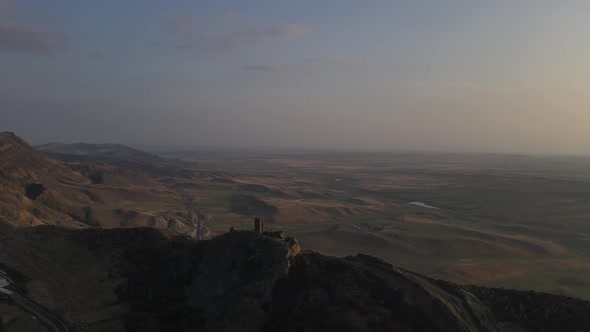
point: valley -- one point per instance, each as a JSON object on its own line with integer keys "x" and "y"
{"x": 509, "y": 221}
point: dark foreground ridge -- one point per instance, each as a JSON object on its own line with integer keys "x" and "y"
{"x": 145, "y": 279}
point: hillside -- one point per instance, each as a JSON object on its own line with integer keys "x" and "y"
{"x": 145, "y": 279}
{"x": 36, "y": 190}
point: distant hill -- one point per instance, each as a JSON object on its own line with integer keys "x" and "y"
{"x": 117, "y": 155}
{"x": 113, "y": 152}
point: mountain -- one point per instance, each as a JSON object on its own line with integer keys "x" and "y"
{"x": 36, "y": 190}
{"x": 117, "y": 155}
{"x": 144, "y": 279}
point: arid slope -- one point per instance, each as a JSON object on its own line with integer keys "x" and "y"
{"x": 36, "y": 189}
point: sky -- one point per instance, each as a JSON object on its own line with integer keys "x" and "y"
{"x": 438, "y": 75}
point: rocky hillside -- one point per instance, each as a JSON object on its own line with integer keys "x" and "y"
{"x": 36, "y": 190}
{"x": 145, "y": 279}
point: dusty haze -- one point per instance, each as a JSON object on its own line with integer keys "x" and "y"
{"x": 483, "y": 75}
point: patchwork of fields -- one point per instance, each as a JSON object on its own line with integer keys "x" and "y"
{"x": 500, "y": 220}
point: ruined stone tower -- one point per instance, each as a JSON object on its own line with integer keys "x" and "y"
{"x": 258, "y": 225}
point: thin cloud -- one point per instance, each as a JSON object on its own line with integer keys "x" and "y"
{"x": 181, "y": 26}
{"x": 271, "y": 35}
{"x": 343, "y": 62}
{"x": 313, "y": 64}
{"x": 28, "y": 39}
{"x": 209, "y": 42}
{"x": 293, "y": 30}
{"x": 231, "y": 17}
{"x": 263, "y": 68}
{"x": 7, "y": 9}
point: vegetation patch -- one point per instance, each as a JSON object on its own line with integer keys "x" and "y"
{"x": 34, "y": 190}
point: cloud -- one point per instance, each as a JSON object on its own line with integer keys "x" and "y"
{"x": 263, "y": 68}
{"x": 231, "y": 17}
{"x": 339, "y": 64}
{"x": 342, "y": 62}
{"x": 292, "y": 30}
{"x": 28, "y": 39}
{"x": 181, "y": 26}
{"x": 7, "y": 9}
{"x": 15, "y": 37}
{"x": 209, "y": 42}
{"x": 270, "y": 35}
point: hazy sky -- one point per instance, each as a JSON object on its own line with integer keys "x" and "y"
{"x": 476, "y": 75}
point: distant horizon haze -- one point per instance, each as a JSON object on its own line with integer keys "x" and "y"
{"x": 473, "y": 76}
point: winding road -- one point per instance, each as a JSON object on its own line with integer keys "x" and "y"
{"x": 47, "y": 318}
{"x": 44, "y": 316}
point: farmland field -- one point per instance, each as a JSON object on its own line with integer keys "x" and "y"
{"x": 500, "y": 220}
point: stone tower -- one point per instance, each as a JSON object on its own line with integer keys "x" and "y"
{"x": 258, "y": 225}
